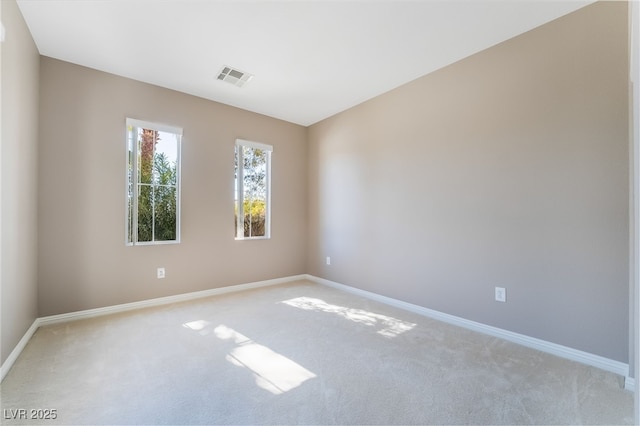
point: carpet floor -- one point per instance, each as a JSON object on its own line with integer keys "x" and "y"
{"x": 299, "y": 353}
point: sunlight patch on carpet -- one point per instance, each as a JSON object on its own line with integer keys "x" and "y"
{"x": 272, "y": 371}
{"x": 389, "y": 326}
{"x": 200, "y": 326}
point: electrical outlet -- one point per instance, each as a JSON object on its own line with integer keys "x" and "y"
{"x": 328, "y": 260}
{"x": 501, "y": 294}
{"x": 161, "y": 273}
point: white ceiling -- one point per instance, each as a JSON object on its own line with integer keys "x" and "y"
{"x": 311, "y": 59}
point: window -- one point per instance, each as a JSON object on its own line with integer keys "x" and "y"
{"x": 252, "y": 198}
{"x": 153, "y": 183}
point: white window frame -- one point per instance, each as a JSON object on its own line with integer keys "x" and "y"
{"x": 135, "y": 123}
{"x": 239, "y": 195}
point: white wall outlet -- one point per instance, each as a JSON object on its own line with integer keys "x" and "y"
{"x": 161, "y": 273}
{"x": 501, "y": 294}
{"x": 328, "y": 260}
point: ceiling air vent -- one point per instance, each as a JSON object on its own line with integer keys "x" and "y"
{"x": 234, "y": 76}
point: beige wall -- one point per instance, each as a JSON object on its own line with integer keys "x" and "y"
{"x": 83, "y": 260}
{"x": 508, "y": 168}
{"x": 20, "y": 65}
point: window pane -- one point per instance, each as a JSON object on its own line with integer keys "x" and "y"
{"x": 258, "y": 192}
{"x": 235, "y": 193}
{"x": 131, "y": 147}
{"x": 146, "y": 144}
{"x": 145, "y": 213}
{"x": 252, "y": 191}
{"x": 166, "y": 159}
{"x": 165, "y": 213}
{"x": 254, "y": 218}
{"x": 254, "y": 172}
{"x": 129, "y": 213}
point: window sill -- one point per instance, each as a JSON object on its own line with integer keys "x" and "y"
{"x": 153, "y": 243}
{"x": 252, "y": 238}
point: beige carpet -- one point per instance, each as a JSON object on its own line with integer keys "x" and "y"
{"x": 297, "y": 354}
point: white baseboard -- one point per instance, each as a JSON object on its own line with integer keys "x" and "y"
{"x": 15, "y": 353}
{"x": 603, "y": 363}
{"x": 53, "y": 319}
{"x": 90, "y": 313}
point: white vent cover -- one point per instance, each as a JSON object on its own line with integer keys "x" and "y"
{"x": 234, "y": 76}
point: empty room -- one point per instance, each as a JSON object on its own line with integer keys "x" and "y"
{"x": 319, "y": 212}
